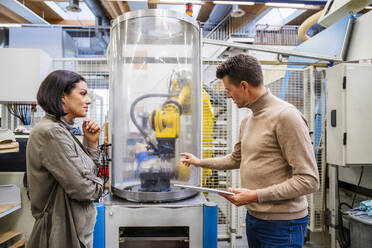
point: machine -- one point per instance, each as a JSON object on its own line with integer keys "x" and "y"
{"x": 155, "y": 114}
{"x": 165, "y": 122}
{"x": 155, "y": 104}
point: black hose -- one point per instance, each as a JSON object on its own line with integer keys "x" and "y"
{"x": 133, "y": 105}
{"x": 343, "y": 234}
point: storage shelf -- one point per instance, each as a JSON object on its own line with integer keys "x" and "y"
{"x": 6, "y": 209}
{"x": 10, "y": 199}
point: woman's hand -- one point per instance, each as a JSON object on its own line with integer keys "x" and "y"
{"x": 91, "y": 132}
{"x": 190, "y": 159}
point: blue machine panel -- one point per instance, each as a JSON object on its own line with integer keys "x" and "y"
{"x": 210, "y": 225}
{"x": 99, "y": 228}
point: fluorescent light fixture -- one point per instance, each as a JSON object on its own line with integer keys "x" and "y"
{"x": 178, "y": 1}
{"x": 10, "y": 25}
{"x": 292, "y": 5}
{"x": 369, "y": 7}
{"x": 234, "y": 2}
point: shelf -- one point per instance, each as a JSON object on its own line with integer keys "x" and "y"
{"x": 10, "y": 199}
{"x": 6, "y": 209}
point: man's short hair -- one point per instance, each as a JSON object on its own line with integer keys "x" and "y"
{"x": 51, "y": 90}
{"x": 239, "y": 68}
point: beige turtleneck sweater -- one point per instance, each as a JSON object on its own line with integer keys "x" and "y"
{"x": 275, "y": 157}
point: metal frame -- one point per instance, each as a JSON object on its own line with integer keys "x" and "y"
{"x": 268, "y": 62}
{"x": 272, "y": 50}
{"x": 154, "y": 13}
{"x": 349, "y": 30}
{"x": 3, "y": 115}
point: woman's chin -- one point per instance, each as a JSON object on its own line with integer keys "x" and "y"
{"x": 82, "y": 115}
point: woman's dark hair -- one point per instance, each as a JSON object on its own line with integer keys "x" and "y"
{"x": 239, "y": 68}
{"x": 51, "y": 90}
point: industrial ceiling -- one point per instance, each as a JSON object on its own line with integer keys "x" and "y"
{"x": 207, "y": 11}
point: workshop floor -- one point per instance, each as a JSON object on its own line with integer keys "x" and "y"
{"x": 315, "y": 242}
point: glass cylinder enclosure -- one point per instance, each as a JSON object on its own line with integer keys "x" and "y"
{"x": 155, "y": 109}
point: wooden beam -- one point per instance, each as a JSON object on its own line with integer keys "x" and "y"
{"x": 301, "y": 18}
{"x": 123, "y": 6}
{"x": 8, "y": 14}
{"x": 73, "y": 22}
{"x": 107, "y": 9}
{"x": 205, "y": 11}
{"x": 5, "y": 19}
{"x": 251, "y": 12}
{"x": 50, "y": 0}
{"x": 42, "y": 10}
{"x": 151, "y": 5}
{"x": 113, "y": 8}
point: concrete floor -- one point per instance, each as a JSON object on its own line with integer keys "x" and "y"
{"x": 314, "y": 242}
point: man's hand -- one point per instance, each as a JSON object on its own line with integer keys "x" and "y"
{"x": 190, "y": 159}
{"x": 242, "y": 196}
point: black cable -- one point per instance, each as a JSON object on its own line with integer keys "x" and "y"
{"x": 12, "y": 109}
{"x": 360, "y": 179}
{"x": 343, "y": 234}
{"x": 132, "y": 116}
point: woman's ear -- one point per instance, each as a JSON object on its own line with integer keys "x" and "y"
{"x": 63, "y": 98}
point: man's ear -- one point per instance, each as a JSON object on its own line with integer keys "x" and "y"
{"x": 244, "y": 84}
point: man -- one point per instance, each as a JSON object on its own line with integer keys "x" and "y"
{"x": 275, "y": 157}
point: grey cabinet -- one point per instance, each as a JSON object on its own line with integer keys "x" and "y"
{"x": 349, "y": 114}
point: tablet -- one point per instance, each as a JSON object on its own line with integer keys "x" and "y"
{"x": 204, "y": 189}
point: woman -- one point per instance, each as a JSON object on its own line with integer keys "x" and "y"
{"x": 61, "y": 172}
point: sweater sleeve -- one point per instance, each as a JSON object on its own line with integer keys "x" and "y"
{"x": 294, "y": 141}
{"x": 62, "y": 160}
{"x": 230, "y": 161}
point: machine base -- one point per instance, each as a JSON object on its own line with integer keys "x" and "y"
{"x": 133, "y": 193}
{"x": 178, "y": 224}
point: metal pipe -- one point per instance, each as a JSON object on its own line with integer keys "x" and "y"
{"x": 268, "y": 62}
{"x": 4, "y": 37}
{"x": 272, "y": 50}
{"x": 98, "y": 11}
{"x": 346, "y": 43}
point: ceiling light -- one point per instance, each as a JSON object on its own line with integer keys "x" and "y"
{"x": 234, "y": 2}
{"x": 177, "y": 1}
{"x": 369, "y": 7}
{"x": 73, "y": 6}
{"x": 236, "y": 11}
{"x": 291, "y": 5}
{"x": 10, "y": 25}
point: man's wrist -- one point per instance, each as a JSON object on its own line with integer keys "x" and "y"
{"x": 255, "y": 196}
{"x": 199, "y": 162}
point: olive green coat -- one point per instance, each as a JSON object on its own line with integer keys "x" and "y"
{"x": 62, "y": 184}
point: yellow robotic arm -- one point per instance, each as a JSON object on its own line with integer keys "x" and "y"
{"x": 166, "y": 121}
